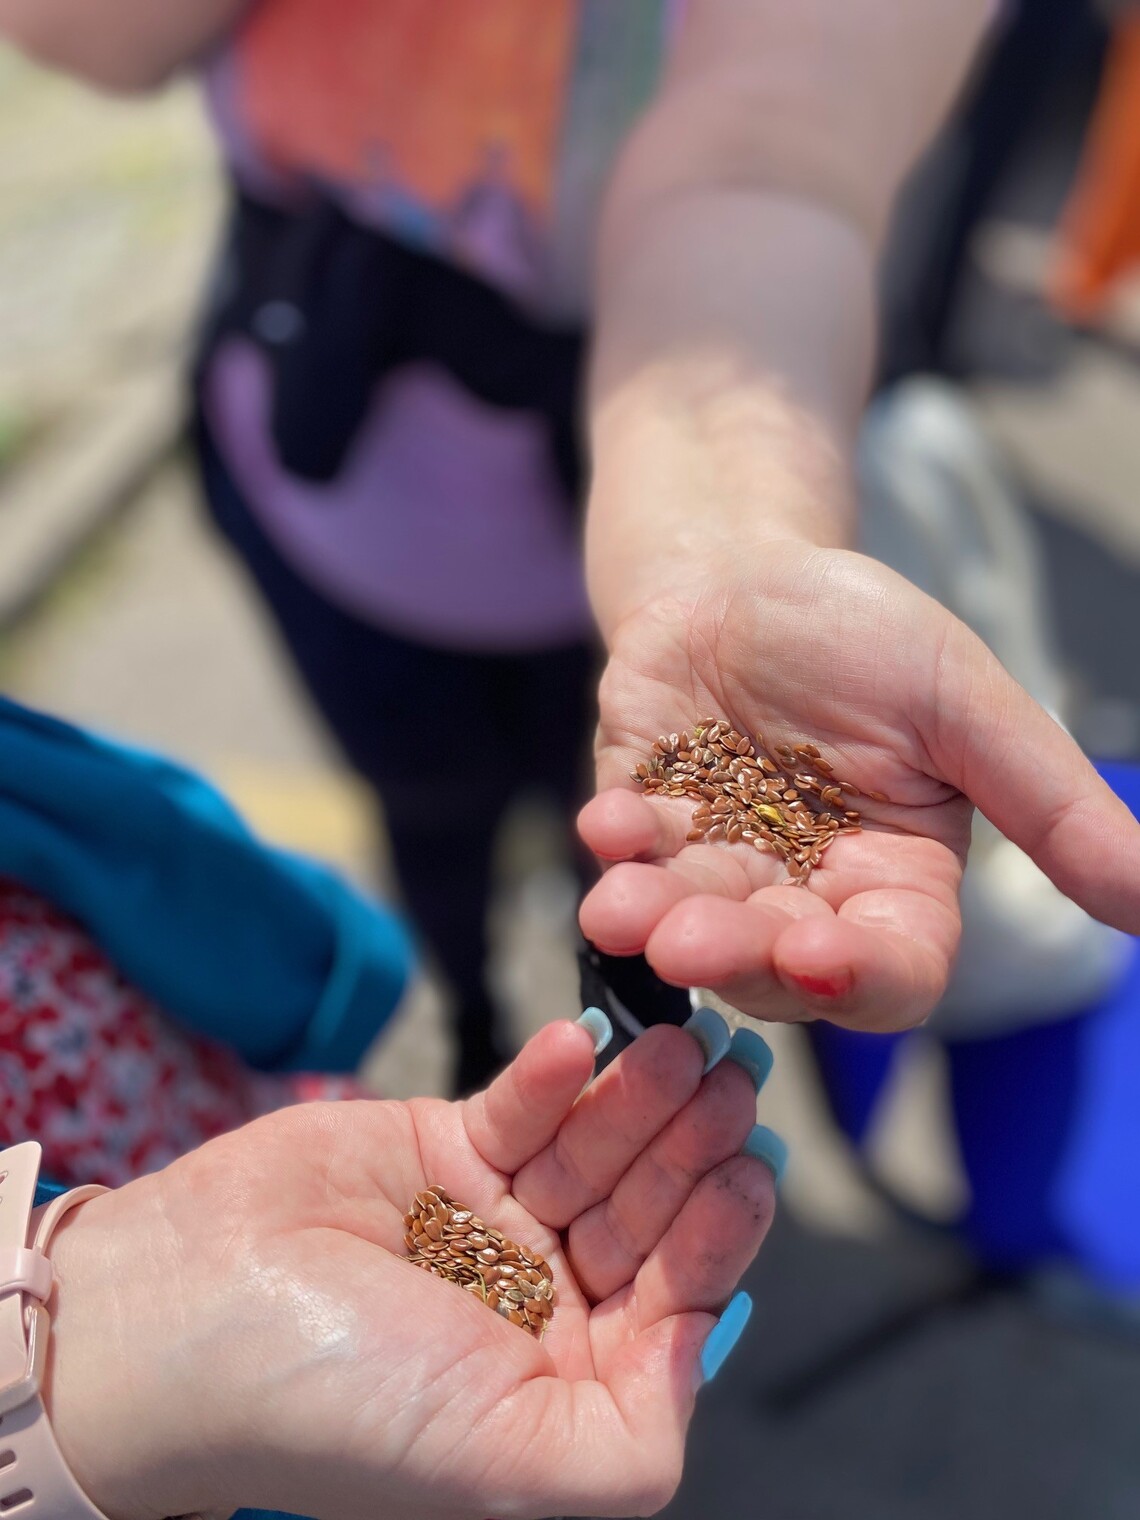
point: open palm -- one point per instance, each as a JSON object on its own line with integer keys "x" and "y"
{"x": 830, "y": 647}
{"x": 347, "y": 1382}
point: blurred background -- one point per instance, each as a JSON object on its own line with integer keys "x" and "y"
{"x": 887, "y": 1373}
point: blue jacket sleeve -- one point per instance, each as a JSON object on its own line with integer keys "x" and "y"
{"x": 270, "y": 953}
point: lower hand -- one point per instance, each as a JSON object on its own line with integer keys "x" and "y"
{"x": 827, "y": 646}
{"x": 242, "y": 1329}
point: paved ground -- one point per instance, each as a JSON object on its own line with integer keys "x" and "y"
{"x": 105, "y": 221}
{"x": 878, "y": 1378}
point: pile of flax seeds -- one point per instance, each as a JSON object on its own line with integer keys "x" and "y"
{"x": 451, "y": 1242}
{"x": 786, "y": 801}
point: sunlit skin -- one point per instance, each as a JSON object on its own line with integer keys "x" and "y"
{"x": 902, "y": 699}
{"x": 283, "y": 1353}
{"x": 735, "y": 341}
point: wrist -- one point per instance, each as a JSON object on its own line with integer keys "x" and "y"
{"x": 734, "y": 342}
{"x": 700, "y": 471}
{"x": 123, "y": 1405}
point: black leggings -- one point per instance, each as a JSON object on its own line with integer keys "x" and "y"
{"x": 448, "y": 740}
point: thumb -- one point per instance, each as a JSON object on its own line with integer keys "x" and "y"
{"x": 1031, "y": 780}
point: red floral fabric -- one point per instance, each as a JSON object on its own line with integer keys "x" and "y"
{"x": 90, "y": 1068}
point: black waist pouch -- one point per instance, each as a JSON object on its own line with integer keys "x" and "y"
{"x": 336, "y": 306}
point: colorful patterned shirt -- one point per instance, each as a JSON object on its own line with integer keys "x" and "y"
{"x": 482, "y": 136}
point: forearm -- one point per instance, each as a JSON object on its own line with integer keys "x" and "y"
{"x": 121, "y": 45}
{"x": 735, "y": 303}
{"x": 735, "y": 340}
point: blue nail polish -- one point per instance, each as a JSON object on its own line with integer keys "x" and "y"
{"x": 752, "y": 1052}
{"x": 599, "y": 1027}
{"x": 724, "y": 1335}
{"x": 711, "y": 1033}
{"x": 766, "y": 1145}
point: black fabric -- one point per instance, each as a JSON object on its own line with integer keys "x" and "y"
{"x": 645, "y": 999}
{"x": 1042, "y": 48}
{"x": 425, "y": 727}
{"x": 368, "y": 305}
{"x": 447, "y": 739}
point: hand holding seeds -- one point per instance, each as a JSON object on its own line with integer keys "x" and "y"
{"x": 835, "y": 670}
{"x": 462, "y": 1309}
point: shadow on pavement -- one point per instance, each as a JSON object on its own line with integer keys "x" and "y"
{"x": 887, "y": 1381}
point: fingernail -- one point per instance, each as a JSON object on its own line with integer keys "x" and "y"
{"x": 711, "y": 1033}
{"x": 825, "y": 988}
{"x": 750, "y": 1050}
{"x": 724, "y": 1335}
{"x": 599, "y": 1027}
{"x": 766, "y": 1145}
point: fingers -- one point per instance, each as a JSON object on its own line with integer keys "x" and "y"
{"x": 522, "y": 1109}
{"x": 869, "y": 943}
{"x": 732, "y": 942}
{"x": 624, "y": 825}
{"x": 1031, "y": 780}
{"x": 881, "y": 963}
{"x": 711, "y": 1243}
{"x": 615, "y": 1446}
{"x": 621, "y": 910}
{"x": 613, "y": 1122}
{"x": 609, "y": 1242}
{"x": 866, "y": 978}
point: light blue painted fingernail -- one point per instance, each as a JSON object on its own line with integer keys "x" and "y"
{"x": 599, "y": 1027}
{"x": 754, "y": 1053}
{"x": 724, "y": 1335}
{"x": 711, "y": 1033}
{"x": 766, "y": 1145}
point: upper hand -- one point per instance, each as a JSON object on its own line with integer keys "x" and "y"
{"x": 827, "y": 646}
{"x": 243, "y": 1328}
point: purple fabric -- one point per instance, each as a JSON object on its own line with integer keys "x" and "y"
{"x": 447, "y": 523}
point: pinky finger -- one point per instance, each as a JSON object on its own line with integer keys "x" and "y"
{"x": 711, "y": 1243}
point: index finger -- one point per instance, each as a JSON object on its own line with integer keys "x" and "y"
{"x": 519, "y": 1114}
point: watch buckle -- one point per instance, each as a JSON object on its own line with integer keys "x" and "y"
{"x": 15, "y": 1395}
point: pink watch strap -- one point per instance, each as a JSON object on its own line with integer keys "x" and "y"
{"x": 35, "y": 1481}
{"x": 25, "y": 1271}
